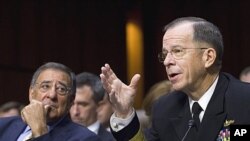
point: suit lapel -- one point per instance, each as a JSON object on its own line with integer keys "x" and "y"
{"x": 215, "y": 113}
{"x": 180, "y": 123}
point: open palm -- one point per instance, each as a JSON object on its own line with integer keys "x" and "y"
{"x": 121, "y": 95}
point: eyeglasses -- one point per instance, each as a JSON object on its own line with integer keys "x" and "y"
{"x": 177, "y": 53}
{"x": 61, "y": 89}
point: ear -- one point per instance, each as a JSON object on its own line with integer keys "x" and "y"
{"x": 209, "y": 57}
{"x": 31, "y": 93}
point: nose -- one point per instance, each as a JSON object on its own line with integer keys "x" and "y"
{"x": 169, "y": 60}
{"x": 52, "y": 93}
{"x": 74, "y": 110}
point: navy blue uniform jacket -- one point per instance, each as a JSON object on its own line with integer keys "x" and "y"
{"x": 230, "y": 104}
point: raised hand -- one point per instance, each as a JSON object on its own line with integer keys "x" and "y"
{"x": 121, "y": 95}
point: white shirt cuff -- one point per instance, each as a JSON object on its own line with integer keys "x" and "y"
{"x": 118, "y": 124}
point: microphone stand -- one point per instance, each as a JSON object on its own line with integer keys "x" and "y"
{"x": 190, "y": 125}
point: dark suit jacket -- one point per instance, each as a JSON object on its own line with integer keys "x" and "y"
{"x": 65, "y": 130}
{"x": 171, "y": 113}
{"x": 105, "y": 135}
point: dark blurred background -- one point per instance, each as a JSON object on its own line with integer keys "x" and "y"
{"x": 85, "y": 34}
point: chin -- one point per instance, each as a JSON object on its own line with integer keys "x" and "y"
{"x": 52, "y": 116}
{"x": 177, "y": 86}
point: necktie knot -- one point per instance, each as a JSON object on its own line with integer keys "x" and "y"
{"x": 196, "y": 109}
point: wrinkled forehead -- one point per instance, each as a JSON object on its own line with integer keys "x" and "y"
{"x": 53, "y": 75}
{"x": 181, "y": 33}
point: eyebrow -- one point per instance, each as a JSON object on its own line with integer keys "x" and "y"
{"x": 81, "y": 103}
{"x": 45, "y": 81}
{"x": 174, "y": 46}
{"x": 50, "y": 81}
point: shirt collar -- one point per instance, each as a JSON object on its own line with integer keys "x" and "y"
{"x": 94, "y": 127}
{"x": 204, "y": 100}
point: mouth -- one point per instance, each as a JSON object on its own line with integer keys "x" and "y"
{"x": 76, "y": 119}
{"x": 173, "y": 77}
{"x": 50, "y": 105}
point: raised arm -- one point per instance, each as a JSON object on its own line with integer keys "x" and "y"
{"x": 121, "y": 95}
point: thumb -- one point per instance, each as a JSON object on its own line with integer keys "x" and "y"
{"x": 135, "y": 80}
{"x": 47, "y": 108}
{"x": 22, "y": 116}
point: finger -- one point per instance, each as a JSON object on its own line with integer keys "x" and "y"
{"x": 108, "y": 69}
{"x": 33, "y": 101}
{"x": 110, "y": 73}
{"x": 22, "y": 116}
{"x": 47, "y": 109}
{"x": 134, "y": 81}
{"x": 107, "y": 65}
{"x": 105, "y": 84}
{"x": 105, "y": 75}
{"x": 103, "y": 78}
{"x": 112, "y": 97}
{"x": 104, "y": 70}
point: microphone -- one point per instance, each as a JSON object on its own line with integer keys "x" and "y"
{"x": 190, "y": 125}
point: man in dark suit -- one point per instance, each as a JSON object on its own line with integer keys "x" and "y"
{"x": 46, "y": 118}
{"x": 205, "y": 101}
{"x": 89, "y": 94}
